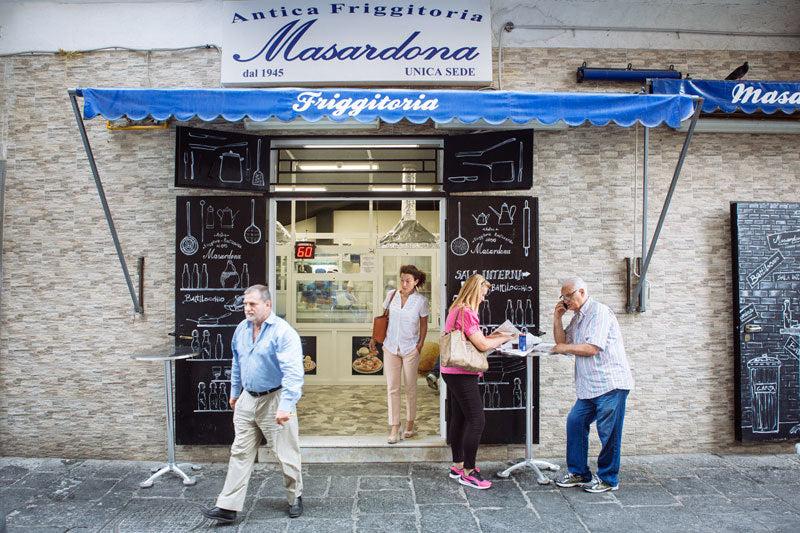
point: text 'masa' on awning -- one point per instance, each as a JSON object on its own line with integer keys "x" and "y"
{"x": 731, "y": 96}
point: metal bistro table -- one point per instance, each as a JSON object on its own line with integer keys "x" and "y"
{"x": 163, "y": 354}
{"x": 535, "y": 464}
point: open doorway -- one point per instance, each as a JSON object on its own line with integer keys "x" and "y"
{"x": 335, "y": 262}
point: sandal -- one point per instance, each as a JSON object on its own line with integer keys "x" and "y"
{"x": 393, "y": 439}
{"x": 409, "y": 433}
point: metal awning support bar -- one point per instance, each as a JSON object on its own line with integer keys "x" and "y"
{"x": 638, "y": 290}
{"x": 642, "y": 303}
{"x": 82, "y": 128}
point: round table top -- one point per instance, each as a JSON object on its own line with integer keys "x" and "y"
{"x": 165, "y": 353}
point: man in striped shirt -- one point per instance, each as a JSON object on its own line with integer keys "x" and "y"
{"x": 602, "y": 382}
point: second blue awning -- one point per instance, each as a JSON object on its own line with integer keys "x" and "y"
{"x": 730, "y": 96}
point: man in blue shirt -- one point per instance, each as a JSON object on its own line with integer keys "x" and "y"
{"x": 266, "y": 383}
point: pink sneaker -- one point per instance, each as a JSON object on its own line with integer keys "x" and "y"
{"x": 455, "y": 473}
{"x": 474, "y": 480}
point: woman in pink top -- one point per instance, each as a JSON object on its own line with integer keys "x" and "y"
{"x": 466, "y": 405}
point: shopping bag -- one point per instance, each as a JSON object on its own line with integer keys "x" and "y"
{"x": 381, "y": 323}
{"x": 456, "y": 350}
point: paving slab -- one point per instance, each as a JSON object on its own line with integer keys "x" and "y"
{"x": 158, "y": 516}
{"x": 687, "y": 485}
{"x": 438, "y": 490}
{"x": 604, "y": 517}
{"x": 505, "y": 493}
{"x": 389, "y": 523}
{"x": 502, "y": 521}
{"x": 446, "y": 518}
{"x": 385, "y": 501}
{"x": 644, "y": 495}
{"x": 10, "y": 474}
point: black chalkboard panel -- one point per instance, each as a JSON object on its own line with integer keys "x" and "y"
{"x": 766, "y": 303}
{"x": 220, "y": 250}
{"x": 498, "y": 161}
{"x": 498, "y": 237}
{"x": 215, "y": 159}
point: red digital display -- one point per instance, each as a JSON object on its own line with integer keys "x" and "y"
{"x": 304, "y": 250}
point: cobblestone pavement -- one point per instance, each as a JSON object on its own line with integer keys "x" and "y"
{"x": 657, "y": 493}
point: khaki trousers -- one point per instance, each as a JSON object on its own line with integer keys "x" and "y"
{"x": 252, "y": 418}
{"x": 394, "y": 366}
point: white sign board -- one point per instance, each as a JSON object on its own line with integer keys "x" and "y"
{"x": 267, "y": 43}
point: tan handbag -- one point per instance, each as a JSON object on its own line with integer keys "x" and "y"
{"x": 457, "y": 350}
{"x": 381, "y": 323}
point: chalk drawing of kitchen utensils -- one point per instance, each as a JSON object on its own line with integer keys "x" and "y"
{"x": 210, "y": 217}
{"x": 226, "y": 217}
{"x": 499, "y": 171}
{"x": 481, "y": 220}
{"x": 258, "y": 176}
{"x": 202, "y": 221}
{"x": 506, "y": 215}
{"x": 459, "y": 246}
{"x": 229, "y": 279}
{"x": 504, "y": 171}
{"x": 189, "y": 244}
{"x": 252, "y": 234}
{"x": 206, "y": 136}
{"x": 208, "y": 321}
{"x": 478, "y": 153}
{"x": 526, "y": 228}
{"x": 462, "y": 179}
{"x": 230, "y": 167}
{"x": 235, "y": 304}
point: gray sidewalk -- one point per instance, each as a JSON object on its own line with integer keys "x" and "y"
{"x": 657, "y": 493}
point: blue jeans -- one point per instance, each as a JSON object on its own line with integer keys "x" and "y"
{"x": 435, "y": 370}
{"x": 609, "y": 412}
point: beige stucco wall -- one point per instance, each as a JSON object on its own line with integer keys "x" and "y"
{"x": 68, "y": 386}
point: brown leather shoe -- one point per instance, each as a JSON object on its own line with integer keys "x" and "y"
{"x": 297, "y": 509}
{"x": 220, "y": 515}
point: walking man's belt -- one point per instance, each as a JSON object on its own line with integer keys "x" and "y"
{"x": 270, "y": 391}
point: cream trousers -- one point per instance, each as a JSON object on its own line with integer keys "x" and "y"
{"x": 394, "y": 366}
{"x": 252, "y": 418}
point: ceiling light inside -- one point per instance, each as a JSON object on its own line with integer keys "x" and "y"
{"x": 337, "y": 166}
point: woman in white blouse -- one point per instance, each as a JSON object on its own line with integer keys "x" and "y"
{"x": 408, "y": 325}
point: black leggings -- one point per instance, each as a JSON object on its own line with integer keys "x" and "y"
{"x": 466, "y": 417}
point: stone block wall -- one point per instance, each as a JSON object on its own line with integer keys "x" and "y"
{"x": 67, "y": 327}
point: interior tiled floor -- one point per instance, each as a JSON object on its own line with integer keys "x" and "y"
{"x": 337, "y": 410}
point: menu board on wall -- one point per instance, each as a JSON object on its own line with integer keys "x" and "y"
{"x": 215, "y": 159}
{"x": 497, "y": 161}
{"x": 498, "y": 237}
{"x": 220, "y": 251}
{"x": 766, "y": 303}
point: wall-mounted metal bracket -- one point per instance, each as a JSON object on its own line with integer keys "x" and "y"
{"x": 84, "y": 137}
{"x": 679, "y": 165}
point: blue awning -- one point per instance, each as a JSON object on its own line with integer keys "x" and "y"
{"x": 730, "y": 96}
{"x": 388, "y": 105}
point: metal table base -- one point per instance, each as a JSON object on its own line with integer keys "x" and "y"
{"x": 529, "y": 461}
{"x": 171, "y": 465}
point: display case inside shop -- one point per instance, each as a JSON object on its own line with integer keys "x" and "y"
{"x": 319, "y": 301}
